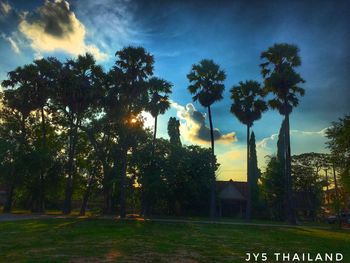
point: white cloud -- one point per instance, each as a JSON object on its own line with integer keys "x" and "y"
{"x": 297, "y": 137}
{"x": 116, "y": 17}
{"x": 54, "y": 27}
{"x": 5, "y": 7}
{"x": 193, "y": 127}
{"x": 233, "y": 162}
{"x": 12, "y": 42}
{"x": 301, "y": 142}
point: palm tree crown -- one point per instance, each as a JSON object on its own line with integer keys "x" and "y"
{"x": 159, "y": 100}
{"x": 248, "y": 104}
{"x": 206, "y": 80}
{"x": 280, "y": 77}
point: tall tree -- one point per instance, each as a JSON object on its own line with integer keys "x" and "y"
{"x": 174, "y": 131}
{"x": 11, "y": 156}
{"x": 159, "y": 90}
{"x": 248, "y": 107}
{"x": 281, "y": 146}
{"x": 282, "y": 81}
{"x": 79, "y": 81}
{"x": 44, "y": 76}
{"x": 254, "y": 172}
{"x": 307, "y": 184}
{"x": 16, "y": 113}
{"x": 206, "y": 84}
{"x": 338, "y": 136}
{"x": 273, "y": 188}
{"x": 134, "y": 66}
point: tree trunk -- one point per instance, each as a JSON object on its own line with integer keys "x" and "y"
{"x": 122, "y": 184}
{"x": 154, "y": 137}
{"x": 9, "y": 199}
{"x": 213, "y": 180}
{"x": 145, "y": 206}
{"x": 249, "y": 180}
{"x": 87, "y": 193}
{"x": 107, "y": 193}
{"x": 327, "y": 186}
{"x": 288, "y": 182}
{"x": 67, "y": 208}
{"x": 337, "y": 199}
{"x": 43, "y": 164}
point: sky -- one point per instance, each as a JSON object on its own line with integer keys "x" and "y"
{"x": 181, "y": 33}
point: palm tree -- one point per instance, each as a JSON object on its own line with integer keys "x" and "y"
{"x": 159, "y": 101}
{"x": 248, "y": 107}
{"x": 282, "y": 82}
{"x": 206, "y": 84}
{"x": 135, "y": 66}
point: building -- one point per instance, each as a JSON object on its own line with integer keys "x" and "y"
{"x": 232, "y": 198}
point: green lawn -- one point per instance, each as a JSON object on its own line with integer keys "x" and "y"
{"x": 106, "y": 240}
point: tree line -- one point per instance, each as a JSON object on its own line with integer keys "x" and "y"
{"x": 71, "y": 129}
{"x": 318, "y": 184}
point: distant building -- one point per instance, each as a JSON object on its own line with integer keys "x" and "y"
{"x": 232, "y": 198}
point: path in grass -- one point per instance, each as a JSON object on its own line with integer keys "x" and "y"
{"x": 107, "y": 240}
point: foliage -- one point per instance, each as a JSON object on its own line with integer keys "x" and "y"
{"x": 70, "y": 132}
{"x": 273, "y": 189}
{"x": 339, "y": 145}
{"x": 248, "y": 104}
{"x": 206, "y": 82}
{"x": 174, "y": 131}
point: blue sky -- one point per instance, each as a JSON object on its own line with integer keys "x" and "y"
{"x": 180, "y": 33}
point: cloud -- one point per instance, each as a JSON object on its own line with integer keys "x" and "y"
{"x": 233, "y": 162}
{"x": 296, "y": 135}
{"x": 54, "y": 27}
{"x": 301, "y": 142}
{"x": 194, "y": 129}
{"x": 5, "y": 7}
{"x": 12, "y": 42}
{"x": 116, "y": 18}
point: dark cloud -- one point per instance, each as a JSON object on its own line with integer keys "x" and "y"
{"x": 9, "y": 18}
{"x": 55, "y": 17}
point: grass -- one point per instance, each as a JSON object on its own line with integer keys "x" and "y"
{"x": 107, "y": 240}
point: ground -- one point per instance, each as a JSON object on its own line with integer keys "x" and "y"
{"x": 110, "y": 240}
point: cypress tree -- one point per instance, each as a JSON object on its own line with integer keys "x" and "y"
{"x": 174, "y": 131}
{"x": 254, "y": 172}
{"x": 281, "y": 157}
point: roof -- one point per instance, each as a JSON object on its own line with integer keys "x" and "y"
{"x": 231, "y": 190}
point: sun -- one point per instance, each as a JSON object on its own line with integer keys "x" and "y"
{"x": 148, "y": 119}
